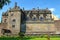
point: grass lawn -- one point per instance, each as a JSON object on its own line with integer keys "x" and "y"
{"x": 40, "y": 38}
{"x": 43, "y": 39}
{"x": 28, "y": 38}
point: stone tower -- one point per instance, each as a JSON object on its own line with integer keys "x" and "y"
{"x": 14, "y": 18}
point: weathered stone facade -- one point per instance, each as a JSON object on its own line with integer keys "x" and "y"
{"x": 17, "y": 20}
{"x": 57, "y": 25}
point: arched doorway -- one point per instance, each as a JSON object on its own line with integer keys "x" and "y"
{"x": 6, "y": 32}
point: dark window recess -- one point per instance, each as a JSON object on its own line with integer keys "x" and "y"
{"x": 13, "y": 20}
{"x": 13, "y": 26}
{"x": 0, "y": 0}
{"x": 34, "y": 18}
{"x": 41, "y": 19}
{"x": 27, "y": 18}
{"x": 5, "y": 20}
{"x": 11, "y": 14}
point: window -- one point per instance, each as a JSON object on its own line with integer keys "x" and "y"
{"x": 27, "y": 18}
{"x": 13, "y": 26}
{"x": 5, "y": 20}
{"x": 11, "y": 14}
{"x": 41, "y": 19}
{"x": 48, "y": 17}
{"x": 13, "y": 20}
{"x": 34, "y": 18}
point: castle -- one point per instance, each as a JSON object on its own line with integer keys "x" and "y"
{"x": 35, "y": 21}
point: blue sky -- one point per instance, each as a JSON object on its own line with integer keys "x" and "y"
{"x": 53, "y": 5}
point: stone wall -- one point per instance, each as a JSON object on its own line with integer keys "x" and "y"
{"x": 40, "y": 28}
{"x": 57, "y": 25}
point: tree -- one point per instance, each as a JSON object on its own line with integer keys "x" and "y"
{"x": 4, "y": 2}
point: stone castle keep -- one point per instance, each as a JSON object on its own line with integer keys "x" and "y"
{"x": 35, "y": 21}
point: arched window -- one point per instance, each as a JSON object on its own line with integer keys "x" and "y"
{"x": 41, "y": 18}
{"x": 34, "y": 18}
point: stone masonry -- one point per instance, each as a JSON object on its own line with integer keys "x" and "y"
{"x": 35, "y": 21}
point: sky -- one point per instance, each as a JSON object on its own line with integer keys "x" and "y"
{"x": 53, "y": 5}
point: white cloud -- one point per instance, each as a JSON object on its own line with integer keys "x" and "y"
{"x": 52, "y": 9}
{"x": 58, "y": 16}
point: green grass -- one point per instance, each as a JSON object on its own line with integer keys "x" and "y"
{"x": 40, "y": 39}
{"x": 28, "y": 38}
{"x": 45, "y": 39}
{"x": 7, "y": 38}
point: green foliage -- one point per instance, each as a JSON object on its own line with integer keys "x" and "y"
{"x": 9, "y": 38}
{"x": 21, "y": 34}
{"x": 4, "y": 2}
{"x": 55, "y": 36}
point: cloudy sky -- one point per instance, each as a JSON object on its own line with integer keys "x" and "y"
{"x": 53, "y": 5}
